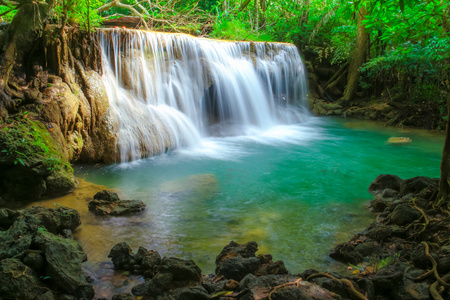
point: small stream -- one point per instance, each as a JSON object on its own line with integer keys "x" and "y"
{"x": 296, "y": 190}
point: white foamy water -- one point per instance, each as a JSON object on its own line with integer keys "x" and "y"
{"x": 170, "y": 91}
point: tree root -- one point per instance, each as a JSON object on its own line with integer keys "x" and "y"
{"x": 297, "y": 283}
{"x": 427, "y": 222}
{"x": 434, "y": 263}
{"x": 435, "y": 293}
{"x": 353, "y": 109}
{"x": 347, "y": 283}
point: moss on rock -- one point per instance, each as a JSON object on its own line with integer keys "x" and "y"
{"x": 32, "y": 163}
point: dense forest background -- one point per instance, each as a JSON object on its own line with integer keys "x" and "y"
{"x": 394, "y": 49}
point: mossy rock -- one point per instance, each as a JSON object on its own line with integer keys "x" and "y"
{"x": 32, "y": 163}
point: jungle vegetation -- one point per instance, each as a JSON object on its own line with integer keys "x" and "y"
{"x": 397, "y": 49}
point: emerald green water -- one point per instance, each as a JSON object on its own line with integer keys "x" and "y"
{"x": 295, "y": 190}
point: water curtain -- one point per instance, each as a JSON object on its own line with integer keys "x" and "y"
{"x": 171, "y": 90}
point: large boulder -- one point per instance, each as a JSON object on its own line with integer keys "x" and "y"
{"x": 385, "y": 181}
{"x": 64, "y": 258}
{"x": 36, "y": 261}
{"x": 32, "y": 164}
{"x": 18, "y": 281}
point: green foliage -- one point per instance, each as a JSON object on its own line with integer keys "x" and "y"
{"x": 342, "y": 43}
{"x": 28, "y": 143}
{"x": 7, "y": 12}
{"x": 386, "y": 261}
{"x": 422, "y": 64}
{"x": 77, "y": 12}
{"x": 232, "y": 27}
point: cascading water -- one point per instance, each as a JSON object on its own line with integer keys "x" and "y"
{"x": 170, "y": 90}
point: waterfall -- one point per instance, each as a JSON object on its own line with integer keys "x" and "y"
{"x": 170, "y": 90}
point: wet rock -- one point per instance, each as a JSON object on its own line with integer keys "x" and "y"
{"x": 399, "y": 140}
{"x": 147, "y": 261}
{"x": 237, "y": 260}
{"x": 18, "y": 281}
{"x": 387, "y": 278}
{"x": 122, "y": 256}
{"x": 411, "y": 290}
{"x": 332, "y": 106}
{"x": 47, "y": 296}
{"x": 63, "y": 264}
{"x": 416, "y": 184}
{"x": 141, "y": 289}
{"x": 18, "y": 237}
{"x": 346, "y": 253}
{"x": 192, "y": 293}
{"x": 385, "y": 181}
{"x": 55, "y": 220}
{"x": 268, "y": 267}
{"x": 34, "y": 260}
{"x": 107, "y": 203}
{"x": 183, "y": 272}
{"x": 419, "y": 258}
{"x": 144, "y": 262}
{"x": 404, "y": 214}
{"x": 40, "y": 171}
{"x": 321, "y": 107}
{"x": 234, "y": 249}
{"x": 197, "y": 187}
{"x": 123, "y": 297}
{"x": 384, "y": 199}
{"x": 237, "y": 267}
{"x": 107, "y": 196}
{"x": 367, "y": 248}
{"x": 252, "y": 287}
{"x": 332, "y": 285}
{"x": 7, "y": 218}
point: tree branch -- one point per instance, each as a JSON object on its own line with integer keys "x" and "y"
{"x": 117, "y": 3}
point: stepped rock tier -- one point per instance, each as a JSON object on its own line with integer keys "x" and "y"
{"x": 171, "y": 90}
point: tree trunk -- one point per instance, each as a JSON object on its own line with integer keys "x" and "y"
{"x": 305, "y": 13}
{"x": 444, "y": 183}
{"x": 358, "y": 57}
{"x": 26, "y": 26}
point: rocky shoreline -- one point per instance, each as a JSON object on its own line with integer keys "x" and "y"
{"x": 404, "y": 254}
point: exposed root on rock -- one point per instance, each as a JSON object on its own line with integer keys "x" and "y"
{"x": 296, "y": 283}
{"x": 354, "y": 109}
{"x": 347, "y": 283}
{"x": 424, "y": 216}
{"x": 434, "y": 263}
{"x": 435, "y": 293}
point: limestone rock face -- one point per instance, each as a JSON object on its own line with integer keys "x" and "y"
{"x": 32, "y": 164}
{"x": 79, "y": 117}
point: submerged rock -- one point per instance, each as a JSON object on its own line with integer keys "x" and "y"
{"x": 107, "y": 203}
{"x": 196, "y": 187}
{"x": 399, "y": 140}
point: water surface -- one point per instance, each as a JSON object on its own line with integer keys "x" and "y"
{"x": 296, "y": 190}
